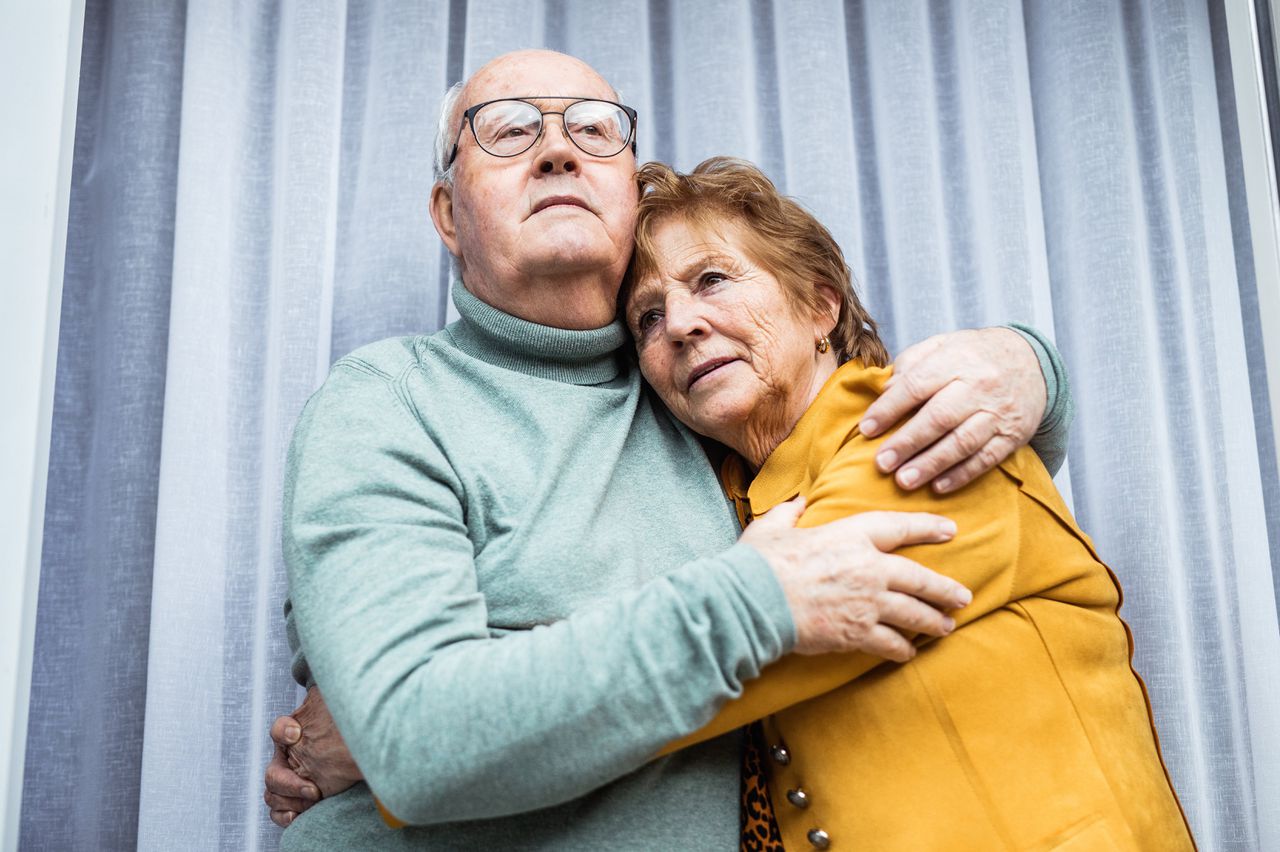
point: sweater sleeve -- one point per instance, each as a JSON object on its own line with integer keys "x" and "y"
{"x": 436, "y": 712}
{"x": 1050, "y": 439}
{"x": 298, "y": 660}
{"x": 983, "y": 555}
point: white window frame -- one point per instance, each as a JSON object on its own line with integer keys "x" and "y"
{"x": 39, "y": 83}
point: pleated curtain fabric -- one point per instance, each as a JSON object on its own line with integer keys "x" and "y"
{"x": 249, "y": 202}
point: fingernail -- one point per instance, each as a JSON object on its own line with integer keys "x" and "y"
{"x": 868, "y": 426}
{"x": 909, "y": 477}
{"x": 289, "y": 816}
{"x": 311, "y": 793}
{"x": 943, "y": 484}
{"x": 949, "y": 624}
{"x": 886, "y": 460}
{"x": 964, "y": 597}
{"x": 947, "y": 527}
{"x": 293, "y": 732}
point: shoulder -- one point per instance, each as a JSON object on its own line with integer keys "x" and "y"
{"x": 387, "y": 358}
{"x": 842, "y": 469}
{"x": 360, "y": 400}
{"x": 371, "y": 373}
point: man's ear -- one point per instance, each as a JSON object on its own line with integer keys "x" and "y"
{"x": 442, "y": 216}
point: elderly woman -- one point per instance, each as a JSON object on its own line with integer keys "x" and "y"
{"x": 1027, "y": 728}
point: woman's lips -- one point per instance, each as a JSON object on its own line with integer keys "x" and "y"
{"x": 706, "y": 368}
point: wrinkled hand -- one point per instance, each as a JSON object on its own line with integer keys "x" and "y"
{"x": 288, "y": 793}
{"x": 983, "y": 396}
{"x": 847, "y": 591}
{"x": 311, "y": 760}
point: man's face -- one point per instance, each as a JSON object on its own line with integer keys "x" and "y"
{"x": 552, "y": 213}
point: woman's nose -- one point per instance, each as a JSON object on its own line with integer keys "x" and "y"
{"x": 684, "y": 320}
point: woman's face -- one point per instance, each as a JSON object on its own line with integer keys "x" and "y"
{"x": 720, "y": 341}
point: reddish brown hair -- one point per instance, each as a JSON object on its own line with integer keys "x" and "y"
{"x": 778, "y": 233}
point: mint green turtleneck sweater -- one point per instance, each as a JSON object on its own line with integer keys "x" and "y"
{"x": 514, "y": 577}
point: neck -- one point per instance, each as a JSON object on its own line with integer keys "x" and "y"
{"x": 774, "y": 418}
{"x": 572, "y": 300}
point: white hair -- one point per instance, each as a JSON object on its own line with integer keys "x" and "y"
{"x": 444, "y": 140}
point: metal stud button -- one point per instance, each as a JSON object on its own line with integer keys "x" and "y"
{"x": 780, "y": 755}
{"x": 819, "y": 839}
{"x": 798, "y": 797}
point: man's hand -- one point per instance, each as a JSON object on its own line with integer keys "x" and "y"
{"x": 288, "y": 793}
{"x": 847, "y": 591}
{"x": 311, "y": 760}
{"x": 983, "y": 396}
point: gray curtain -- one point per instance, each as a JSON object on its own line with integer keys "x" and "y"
{"x": 249, "y": 202}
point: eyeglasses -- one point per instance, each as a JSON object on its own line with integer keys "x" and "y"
{"x": 510, "y": 126}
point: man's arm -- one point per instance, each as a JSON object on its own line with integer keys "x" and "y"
{"x": 1050, "y": 438}
{"x": 981, "y": 394}
{"x": 983, "y": 556}
{"x": 395, "y": 630}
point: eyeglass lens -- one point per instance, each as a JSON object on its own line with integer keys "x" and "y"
{"x": 508, "y": 128}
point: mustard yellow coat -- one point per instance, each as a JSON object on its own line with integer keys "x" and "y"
{"x": 1027, "y": 728}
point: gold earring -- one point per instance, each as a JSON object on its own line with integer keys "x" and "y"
{"x": 823, "y": 345}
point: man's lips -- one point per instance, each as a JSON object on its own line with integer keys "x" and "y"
{"x": 559, "y": 200}
{"x": 705, "y": 368}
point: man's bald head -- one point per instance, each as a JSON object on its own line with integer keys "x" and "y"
{"x": 460, "y": 95}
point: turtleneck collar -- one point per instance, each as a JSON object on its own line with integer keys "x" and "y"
{"x": 560, "y": 354}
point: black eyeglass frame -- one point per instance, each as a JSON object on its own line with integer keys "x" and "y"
{"x": 468, "y": 120}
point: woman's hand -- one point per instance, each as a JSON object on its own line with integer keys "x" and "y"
{"x": 311, "y": 760}
{"x": 847, "y": 591}
{"x": 981, "y": 395}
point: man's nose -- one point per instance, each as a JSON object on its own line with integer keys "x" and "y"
{"x": 554, "y": 152}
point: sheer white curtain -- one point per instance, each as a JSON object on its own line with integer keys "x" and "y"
{"x": 249, "y": 202}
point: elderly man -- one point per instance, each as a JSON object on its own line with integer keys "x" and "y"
{"x": 513, "y": 574}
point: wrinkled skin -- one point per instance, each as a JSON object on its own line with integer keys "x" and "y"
{"x": 983, "y": 397}
{"x": 711, "y": 305}
{"x": 558, "y": 265}
{"x": 311, "y": 760}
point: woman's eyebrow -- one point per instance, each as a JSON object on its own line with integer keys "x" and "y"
{"x": 640, "y": 291}
{"x": 702, "y": 261}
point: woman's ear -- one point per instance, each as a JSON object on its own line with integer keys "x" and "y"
{"x": 829, "y": 313}
{"x": 442, "y": 216}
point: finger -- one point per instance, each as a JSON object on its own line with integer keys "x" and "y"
{"x": 992, "y": 453}
{"x": 890, "y": 530}
{"x": 283, "y": 818}
{"x": 286, "y": 731}
{"x": 908, "y": 391}
{"x": 912, "y": 578}
{"x": 908, "y": 613}
{"x": 283, "y": 781}
{"x": 285, "y": 803}
{"x": 885, "y": 642}
{"x": 963, "y": 441}
{"x": 784, "y": 516}
{"x": 941, "y": 412}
